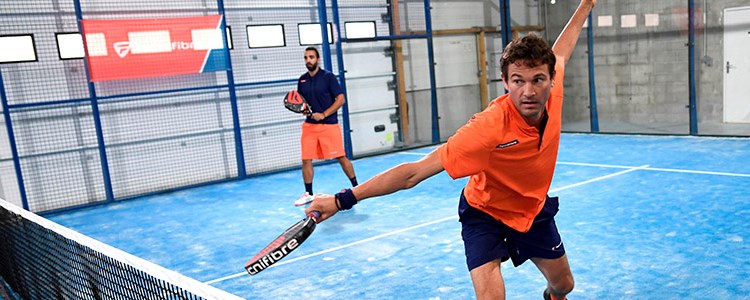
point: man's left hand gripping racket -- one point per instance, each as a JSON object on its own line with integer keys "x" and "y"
{"x": 282, "y": 245}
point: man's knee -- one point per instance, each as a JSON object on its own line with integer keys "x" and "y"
{"x": 562, "y": 286}
{"x": 343, "y": 161}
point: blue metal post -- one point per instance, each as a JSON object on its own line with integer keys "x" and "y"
{"x": 342, "y": 80}
{"x": 13, "y": 148}
{"x": 431, "y": 66}
{"x": 505, "y": 23}
{"x": 592, "y": 83}
{"x": 692, "y": 106}
{"x": 506, "y": 33}
{"x": 238, "y": 148}
{"x": 326, "y": 48}
{"x": 95, "y": 114}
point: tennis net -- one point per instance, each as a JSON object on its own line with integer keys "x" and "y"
{"x": 40, "y": 259}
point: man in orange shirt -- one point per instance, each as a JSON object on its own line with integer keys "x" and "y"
{"x": 509, "y": 151}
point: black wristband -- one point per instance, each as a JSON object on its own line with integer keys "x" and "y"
{"x": 346, "y": 199}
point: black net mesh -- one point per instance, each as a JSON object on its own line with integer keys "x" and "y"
{"x": 40, "y": 259}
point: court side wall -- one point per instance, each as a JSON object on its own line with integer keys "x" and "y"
{"x": 168, "y": 133}
{"x": 641, "y": 66}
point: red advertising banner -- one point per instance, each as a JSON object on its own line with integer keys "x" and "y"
{"x": 139, "y": 48}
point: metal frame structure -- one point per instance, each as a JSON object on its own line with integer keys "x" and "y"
{"x": 395, "y": 36}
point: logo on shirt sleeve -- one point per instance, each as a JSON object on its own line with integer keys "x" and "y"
{"x": 508, "y": 144}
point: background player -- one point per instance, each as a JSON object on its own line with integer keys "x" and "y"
{"x": 321, "y": 134}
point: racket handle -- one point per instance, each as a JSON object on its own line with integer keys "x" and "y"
{"x": 315, "y": 214}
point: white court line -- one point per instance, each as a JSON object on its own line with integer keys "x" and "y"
{"x": 627, "y": 167}
{"x": 412, "y": 228}
{"x": 643, "y": 167}
{"x": 657, "y": 169}
{"x": 699, "y": 172}
{"x": 593, "y": 165}
{"x": 340, "y": 247}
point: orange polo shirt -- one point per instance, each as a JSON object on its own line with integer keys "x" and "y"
{"x": 511, "y": 171}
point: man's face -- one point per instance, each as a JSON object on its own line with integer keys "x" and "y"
{"x": 311, "y": 60}
{"x": 529, "y": 88}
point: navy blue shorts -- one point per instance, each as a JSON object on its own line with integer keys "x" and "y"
{"x": 486, "y": 239}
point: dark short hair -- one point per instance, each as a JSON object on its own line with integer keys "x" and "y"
{"x": 530, "y": 50}
{"x": 311, "y": 48}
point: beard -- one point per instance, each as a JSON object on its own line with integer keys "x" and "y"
{"x": 311, "y": 67}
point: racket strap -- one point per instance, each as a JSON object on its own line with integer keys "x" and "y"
{"x": 345, "y": 199}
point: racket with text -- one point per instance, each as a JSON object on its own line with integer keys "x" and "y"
{"x": 282, "y": 245}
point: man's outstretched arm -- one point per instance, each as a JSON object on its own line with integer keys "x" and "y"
{"x": 400, "y": 177}
{"x": 568, "y": 38}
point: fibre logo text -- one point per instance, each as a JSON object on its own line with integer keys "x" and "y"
{"x": 272, "y": 257}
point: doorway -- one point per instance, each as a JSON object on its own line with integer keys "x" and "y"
{"x": 736, "y": 65}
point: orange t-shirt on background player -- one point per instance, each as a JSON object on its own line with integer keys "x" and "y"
{"x": 511, "y": 169}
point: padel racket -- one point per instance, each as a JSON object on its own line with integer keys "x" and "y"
{"x": 294, "y": 101}
{"x": 282, "y": 245}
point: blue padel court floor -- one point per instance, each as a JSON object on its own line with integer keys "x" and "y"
{"x": 642, "y": 217}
